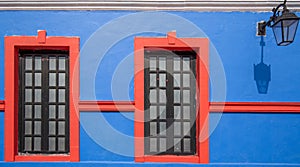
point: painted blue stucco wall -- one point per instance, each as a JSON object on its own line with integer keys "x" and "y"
{"x": 106, "y": 139}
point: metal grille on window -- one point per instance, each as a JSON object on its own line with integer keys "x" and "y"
{"x": 43, "y": 102}
{"x": 170, "y": 102}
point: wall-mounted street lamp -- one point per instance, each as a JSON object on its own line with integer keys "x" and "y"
{"x": 284, "y": 24}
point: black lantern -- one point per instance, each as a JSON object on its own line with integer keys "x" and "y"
{"x": 262, "y": 72}
{"x": 284, "y": 26}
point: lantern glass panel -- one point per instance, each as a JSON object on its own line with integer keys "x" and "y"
{"x": 292, "y": 30}
{"x": 277, "y": 33}
{"x": 284, "y": 31}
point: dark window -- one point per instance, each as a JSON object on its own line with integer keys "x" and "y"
{"x": 44, "y": 102}
{"x": 170, "y": 102}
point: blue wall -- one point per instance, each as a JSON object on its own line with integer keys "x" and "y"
{"x": 106, "y": 139}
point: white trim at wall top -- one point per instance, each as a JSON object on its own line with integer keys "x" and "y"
{"x": 145, "y": 5}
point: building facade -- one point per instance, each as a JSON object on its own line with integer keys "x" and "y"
{"x": 146, "y": 83}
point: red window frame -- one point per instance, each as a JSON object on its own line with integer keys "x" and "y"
{"x": 12, "y": 46}
{"x": 201, "y": 46}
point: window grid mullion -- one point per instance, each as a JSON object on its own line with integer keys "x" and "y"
{"x": 181, "y": 106}
{"x": 32, "y": 103}
{"x": 147, "y": 106}
{"x": 56, "y": 103}
{"x": 193, "y": 82}
{"x": 158, "y": 104}
{"x": 170, "y": 104}
{"x": 21, "y": 115}
{"x": 45, "y": 99}
{"x": 67, "y": 111}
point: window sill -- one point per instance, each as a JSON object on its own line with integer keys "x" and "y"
{"x": 169, "y": 158}
{"x": 43, "y": 158}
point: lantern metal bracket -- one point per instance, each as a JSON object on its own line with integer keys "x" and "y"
{"x": 261, "y": 26}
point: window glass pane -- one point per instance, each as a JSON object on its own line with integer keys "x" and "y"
{"x": 162, "y": 80}
{"x": 152, "y": 63}
{"x": 176, "y": 80}
{"x": 37, "y": 95}
{"x": 52, "y": 111}
{"x": 52, "y": 79}
{"x": 186, "y": 96}
{"x": 38, "y": 79}
{"x": 52, "y": 128}
{"x": 186, "y": 112}
{"x": 153, "y": 96}
{"x": 186, "y": 128}
{"x": 51, "y": 144}
{"x": 61, "y": 111}
{"x": 162, "y": 63}
{"x": 28, "y": 95}
{"x": 61, "y": 144}
{"x": 177, "y": 129}
{"x": 61, "y": 95}
{"x": 176, "y": 64}
{"x": 28, "y": 63}
{"x": 187, "y": 145}
{"x": 52, "y": 63}
{"x": 27, "y": 144}
{"x": 186, "y": 64}
{"x": 153, "y": 113}
{"x": 28, "y": 79}
{"x": 61, "y": 63}
{"x": 186, "y": 80}
{"x": 176, "y": 96}
{"x": 28, "y": 111}
{"x": 28, "y": 128}
{"x": 162, "y": 112}
{"x": 37, "y": 127}
{"x": 52, "y": 95}
{"x": 37, "y": 111}
{"x": 162, "y": 96}
{"x": 153, "y": 145}
{"x": 177, "y": 114}
{"x": 162, "y": 128}
{"x": 177, "y": 145}
{"x": 38, "y": 63}
{"x": 153, "y": 80}
{"x": 153, "y": 129}
{"x": 162, "y": 144}
{"x": 61, "y": 128}
{"x": 61, "y": 79}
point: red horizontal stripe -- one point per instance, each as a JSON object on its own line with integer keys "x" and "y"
{"x": 122, "y": 106}
{"x": 239, "y": 107}
{"x": 255, "y": 107}
{"x": 2, "y": 107}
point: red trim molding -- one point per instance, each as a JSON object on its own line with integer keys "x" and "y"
{"x": 172, "y": 158}
{"x": 103, "y": 106}
{"x": 231, "y": 107}
{"x": 2, "y": 106}
{"x": 171, "y": 42}
{"x": 12, "y": 46}
{"x": 39, "y": 158}
{"x": 255, "y": 107}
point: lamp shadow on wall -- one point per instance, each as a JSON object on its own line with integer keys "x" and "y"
{"x": 262, "y": 72}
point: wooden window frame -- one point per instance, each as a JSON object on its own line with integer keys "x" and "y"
{"x": 201, "y": 47}
{"x": 40, "y": 42}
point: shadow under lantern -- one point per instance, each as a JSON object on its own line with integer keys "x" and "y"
{"x": 262, "y": 72}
